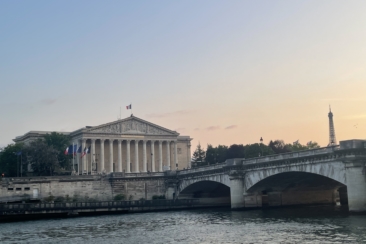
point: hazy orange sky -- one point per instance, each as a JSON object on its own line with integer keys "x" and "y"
{"x": 222, "y": 72}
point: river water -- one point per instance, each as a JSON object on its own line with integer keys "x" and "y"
{"x": 320, "y": 224}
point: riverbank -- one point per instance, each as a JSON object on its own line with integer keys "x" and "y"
{"x": 28, "y": 211}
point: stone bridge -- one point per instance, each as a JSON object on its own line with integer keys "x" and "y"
{"x": 319, "y": 176}
{"x": 331, "y": 175}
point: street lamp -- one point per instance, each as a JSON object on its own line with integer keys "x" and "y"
{"x": 260, "y": 145}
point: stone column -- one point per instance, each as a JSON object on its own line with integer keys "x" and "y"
{"x": 189, "y": 155}
{"x": 356, "y": 185}
{"x": 110, "y": 168}
{"x": 144, "y": 167}
{"x": 128, "y": 170}
{"x": 83, "y": 159}
{"x": 175, "y": 155}
{"x": 160, "y": 156}
{"x": 137, "y": 156}
{"x": 152, "y": 156}
{"x": 236, "y": 190}
{"x": 75, "y": 158}
{"x": 168, "y": 154}
{"x": 92, "y": 158}
{"x": 119, "y": 168}
{"x": 101, "y": 164}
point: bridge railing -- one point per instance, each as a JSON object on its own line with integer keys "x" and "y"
{"x": 290, "y": 155}
{"x": 200, "y": 169}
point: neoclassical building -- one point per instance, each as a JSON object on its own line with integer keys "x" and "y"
{"x": 129, "y": 145}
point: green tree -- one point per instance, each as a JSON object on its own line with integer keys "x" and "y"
{"x": 10, "y": 161}
{"x": 42, "y": 157}
{"x": 216, "y": 154}
{"x": 236, "y": 151}
{"x": 59, "y": 142}
{"x": 256, "y": 150}
{"x": 199, "y": 154}
{"x": 279, "y": 146}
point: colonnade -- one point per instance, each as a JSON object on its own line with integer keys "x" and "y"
{"x": 107, "y": 167}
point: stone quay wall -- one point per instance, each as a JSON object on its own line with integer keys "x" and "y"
{"x": 81, "y": 188}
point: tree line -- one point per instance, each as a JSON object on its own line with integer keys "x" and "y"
{"x": 219, "y": 154}
{"x": 45, "y": 156}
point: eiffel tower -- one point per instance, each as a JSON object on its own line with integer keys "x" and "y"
{"x": 332, "y": 137}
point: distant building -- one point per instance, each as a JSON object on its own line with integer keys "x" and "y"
{"x": 332, "y": 137}
{"x": 127, "y": 145}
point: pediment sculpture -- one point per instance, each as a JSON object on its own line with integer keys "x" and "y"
{"x": 130, "y": 127}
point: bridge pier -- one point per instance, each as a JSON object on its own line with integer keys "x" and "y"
{"x": 237, "y": 191}
{"x": 356, "y": 185}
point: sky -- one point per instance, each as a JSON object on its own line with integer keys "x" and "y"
{"x": 221, "y": 72}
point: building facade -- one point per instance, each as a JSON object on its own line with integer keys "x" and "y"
{"x": 130, "y": 145}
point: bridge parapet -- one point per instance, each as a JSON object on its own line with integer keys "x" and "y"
{"x": 283, "y": 156}
{"x": 201, "y": 169}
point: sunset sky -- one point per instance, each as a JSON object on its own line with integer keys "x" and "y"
{"x": 222, "y": 72}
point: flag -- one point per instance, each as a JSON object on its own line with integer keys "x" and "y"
{"x": 129, "y": 106}
{"x": 79, "y": 150}
{"x": 67, "y": 150}
{"x": 86, "y": 150}
{"x": 70, "y": 150}
{"x": 74, "y": 149}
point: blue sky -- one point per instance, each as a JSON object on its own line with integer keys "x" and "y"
{"x": 223, "y": 72}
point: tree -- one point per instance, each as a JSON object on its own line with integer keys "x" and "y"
{"x": 199, "y": 154}
{"x": 256, "y": 150}
{"x": 59, "y": 142}
{"x": 42, "y": 157}
{"x": 10, "y": 161}
{"x": 236, "y": 151}
{"x": 279, "y": 146}
{"x": 221, "y": 151}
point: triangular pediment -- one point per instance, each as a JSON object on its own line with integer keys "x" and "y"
{"x": 132, "y": 126}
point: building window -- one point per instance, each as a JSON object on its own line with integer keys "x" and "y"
{"x": 179, "y": 150}
{"x": 26, "y": 188}
{"x": 10, "y": 189}
{"x": 18, "y": 189}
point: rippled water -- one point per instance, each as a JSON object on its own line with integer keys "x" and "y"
{"x": 291, "y": 225}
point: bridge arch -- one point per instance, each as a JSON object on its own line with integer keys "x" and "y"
{"x": 334, "y": 170}
{"x": 222, "y": 179}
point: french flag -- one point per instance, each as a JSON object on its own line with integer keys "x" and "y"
{"x": 129, "y": 106}
{"x": 71, "y": 150}
{"x": 86, "y": 150}
{"x": 67, "y": 150}
{"x": 78, "y": 151}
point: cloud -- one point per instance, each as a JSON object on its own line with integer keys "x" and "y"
{"x": 180, "y": 129}
{"x": 48, "y": 101}
{"x": 211, "y": 128}
{"x": 231, "y": 127}
{"x": 164, "y": 115}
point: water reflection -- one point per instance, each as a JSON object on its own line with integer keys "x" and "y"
{"x": 322, "y": 224}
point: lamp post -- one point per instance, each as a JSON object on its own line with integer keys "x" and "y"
{"x": 260, "y": 145}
